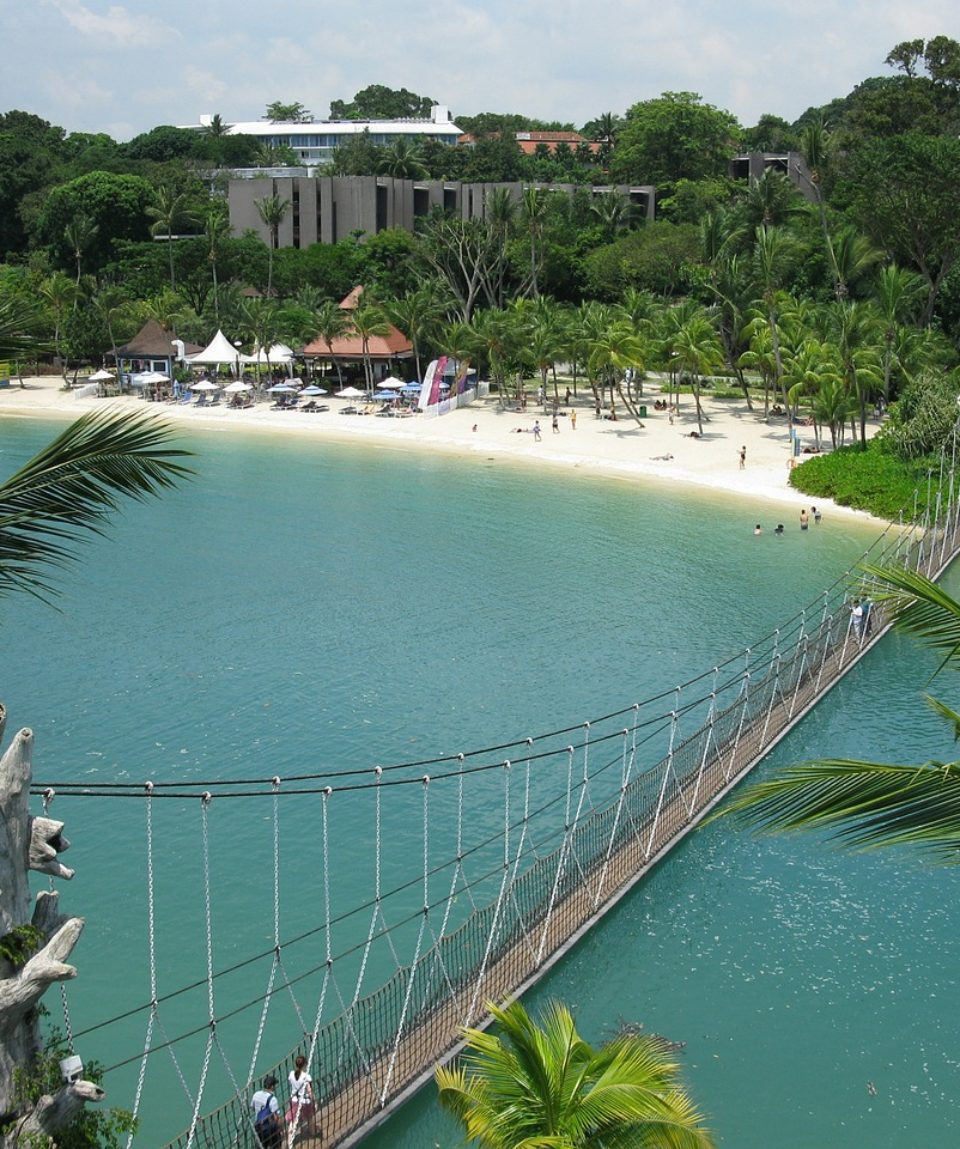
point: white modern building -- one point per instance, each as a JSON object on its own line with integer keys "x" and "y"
{"x": 313, "y": 143}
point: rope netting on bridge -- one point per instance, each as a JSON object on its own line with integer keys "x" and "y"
{"x": 482, "y": 868}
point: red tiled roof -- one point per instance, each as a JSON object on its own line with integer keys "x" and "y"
{"x": 392, "y": 345}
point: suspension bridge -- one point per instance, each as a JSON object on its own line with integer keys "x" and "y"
{"x": 511, "y": 853}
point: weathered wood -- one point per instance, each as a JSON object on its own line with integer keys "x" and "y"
{"x": 31, "y": 843}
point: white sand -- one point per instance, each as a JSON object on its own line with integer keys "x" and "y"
{"x": 597, "y": 447}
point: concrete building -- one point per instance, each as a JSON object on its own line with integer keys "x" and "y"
{"x": 325, "y": 209}
{"x": 314, "y": 143}
{"x": 752, "y": 165}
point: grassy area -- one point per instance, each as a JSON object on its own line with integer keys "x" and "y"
{"x": 873, "y": 480}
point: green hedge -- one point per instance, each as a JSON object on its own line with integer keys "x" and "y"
{"x": 872, "y": 480}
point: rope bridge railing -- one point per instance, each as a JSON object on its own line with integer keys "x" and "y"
{"x": 508, "y": 853}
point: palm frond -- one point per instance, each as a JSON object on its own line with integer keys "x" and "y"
{"x": 866, "y": 804}
{"x": 69, "y": 488}
{"x": 919, "y": 607}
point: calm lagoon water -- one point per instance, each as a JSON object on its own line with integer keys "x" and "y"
{"x": 300, "y": 607}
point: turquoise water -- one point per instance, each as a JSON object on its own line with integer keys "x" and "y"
{"x": 306, "y": 608}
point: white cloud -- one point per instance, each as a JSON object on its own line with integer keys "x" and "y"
{"x": 118, "y": 28}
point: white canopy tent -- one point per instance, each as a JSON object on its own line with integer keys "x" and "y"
{"x": 219, "y": 351}
{"x": 277, "y": 355}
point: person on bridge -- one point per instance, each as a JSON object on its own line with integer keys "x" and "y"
{"x": 302, "y": 1107}
{"x": 266, "y": 1114}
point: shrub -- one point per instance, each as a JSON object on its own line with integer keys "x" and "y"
{"x": 874, "y": 480}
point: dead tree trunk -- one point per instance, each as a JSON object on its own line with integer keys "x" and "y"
{"x": 30, "y": 843}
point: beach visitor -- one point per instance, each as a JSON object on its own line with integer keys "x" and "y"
{"x": 566, "y": 401}
{"x": 743, "y": 456}
{"x": 474, "y": 426}
{"x": 266, "y": 1114}
{"x": 779, "y": 529}
{"x": 573, "y": 420}
{"x": 302, "y": 1107}
{"x": 536, "y": 431}
{"x": 556, "y": 424}
{"x": 596, "y": 410}
{"x": 817, "y": 515}
{"x": 804, "y": 519}
{"x": 758, "y": 530}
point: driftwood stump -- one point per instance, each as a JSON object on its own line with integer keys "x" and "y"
{"x": 31, "y": 843}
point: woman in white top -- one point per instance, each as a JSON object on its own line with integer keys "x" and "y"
{"x": 302, "y": 1107}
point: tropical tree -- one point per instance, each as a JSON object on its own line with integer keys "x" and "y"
{"x": 79, "y": 233}
{"x": 696, "y": 352}
{"x": 294, "y": 113}
{"x": 897, "y": 294}
{"x": 533, "y": 211}
{"x": 272, "y": 209}
{"x": 331, "y": 323}
{"x": 18, "y": 325}
{"x": 870, "y": 804}
{"x": 403, "y": 160}
{"x": 856, "y": 332}
{"x": 367, "y": 320}
{"x": 417, "y": 315}
{"x": 216, "y": 228}
{"x": 773, "y": 255}
{"x": 59, "y": 293}
{"x": 532, "y": 1086}
{"x": 168, "y": 211}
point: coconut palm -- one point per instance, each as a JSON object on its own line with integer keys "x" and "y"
{"x": 331, "y": 323}
{"x": 613, "y": 211}
{"x": 69, "y": 488}
{"x": 272, "y": 209}
{"x": 216, "y": 228}
{"x": 696, "y": 352}
{"x": 773, "y": 254}
{"x": 770, "y": 200}
{"x": 168, "y": 211}
{"x": 59, "y": 293}
{"x": 533, "y": 209}
{"x": 897, "y": 293}
{"x": 870, "y": 804}
{"x": 855, "y": 331}
{"x": 368, "y": 320}
{"x": 403, "y": 160}
{"x": 500, "y": 210}
{"x": 79, "y": 233}
{"x": 417, "y": 315}
{"x": 543, "y": 1086}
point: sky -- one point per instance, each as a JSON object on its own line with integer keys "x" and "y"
{"x": 123, "y": 68}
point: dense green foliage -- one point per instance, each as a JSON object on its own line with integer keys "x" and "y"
{"x": 874, "y": 480}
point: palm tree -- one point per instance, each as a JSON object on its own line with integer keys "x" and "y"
{"x": 613, "y": 211}
{"x": 417, "y": 315}
{"x": 897, "y": 293}
{"x": 216, "y": 227}
{"x": 544, "y": 1087}
{"x": 870, "y": 804}
{"x": 533, "y": 207}
{"x": 59, "y": 293}
{"x": 856, "y": 329}
{"x": 772, "y": 256}
{"x": 168, "y": 211}
{"x": 770, "y": 201}
{"x": 68, "y": 489}
{"x": 18, "y": 323}
{"x": 79, "y": 233}
{"x": 331, "y": 322}
{"x": 500, "y": 211}
{"x": 403, "y": 160}
{"x": 696, "y": 352}
{"x": 272, "y": 209}
{"x": 368, "y": 320}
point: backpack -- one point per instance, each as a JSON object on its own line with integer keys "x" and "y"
{"x": 265, "y": 1122}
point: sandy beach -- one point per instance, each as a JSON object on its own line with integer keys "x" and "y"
{"x": 660, "y": 450}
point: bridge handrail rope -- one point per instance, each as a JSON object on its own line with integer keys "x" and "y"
{"x": 626, "y": 786}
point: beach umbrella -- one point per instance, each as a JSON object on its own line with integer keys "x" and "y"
{"x": 203, "y": 385}
{"x": 386, "y": 395}
{"x": 390, "y": 382}
{"x": 100, "y": 377}
{"x": 236, "y": 387}
{"x": 351, "y": 393}
{"x": 313, "y": 389}
{"x": 413, "y": 387}
{"x": 281, "y": 389}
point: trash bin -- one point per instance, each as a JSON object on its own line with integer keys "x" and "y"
{"x": 643, "y": 412}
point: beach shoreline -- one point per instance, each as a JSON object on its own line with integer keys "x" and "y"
{"x": 661, "y": 451}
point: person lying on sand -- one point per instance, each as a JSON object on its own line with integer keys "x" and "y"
{"x": 664, "y": 458}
